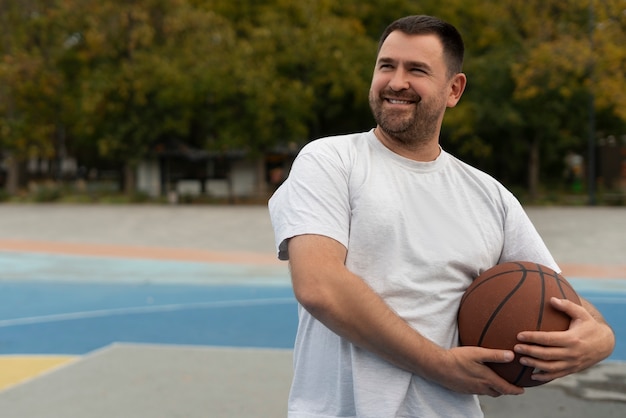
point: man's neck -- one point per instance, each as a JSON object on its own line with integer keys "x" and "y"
{"x": 423, "y": 151}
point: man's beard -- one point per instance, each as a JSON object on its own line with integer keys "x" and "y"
{"x": 411, "y": 129}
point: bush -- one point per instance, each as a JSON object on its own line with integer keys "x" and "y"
{"x": 47, "y": 193}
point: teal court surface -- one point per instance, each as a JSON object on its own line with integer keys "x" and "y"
{"x": 119, "y": 336}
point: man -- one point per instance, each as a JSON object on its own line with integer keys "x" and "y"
{"x": 384, "y": 231}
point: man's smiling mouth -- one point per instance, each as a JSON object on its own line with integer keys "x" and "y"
{"x": 397, "y": 101}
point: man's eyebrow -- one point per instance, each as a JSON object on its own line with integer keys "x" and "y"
{"x": 385, "y": 60}
{"x": 408, "y": 64}
{"x": 418, "y": 64}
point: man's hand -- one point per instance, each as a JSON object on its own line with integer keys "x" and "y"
{"x": 462, "y": 369}
{"x": 588, "y": 340}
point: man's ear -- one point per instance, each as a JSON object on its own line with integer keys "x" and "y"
{"x": 457, "y": 87}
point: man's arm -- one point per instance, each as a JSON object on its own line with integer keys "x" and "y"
{"x": 588, "y": 340}
{"x": 345, "y": 304}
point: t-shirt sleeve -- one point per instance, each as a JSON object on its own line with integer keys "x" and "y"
{"x": 522, "y": 242}
{"x": 314, "y": 199}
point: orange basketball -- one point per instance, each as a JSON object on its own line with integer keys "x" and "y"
{"x": 507, "y": 299}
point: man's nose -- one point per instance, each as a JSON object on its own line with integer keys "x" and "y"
{"x": 399, "y": 80}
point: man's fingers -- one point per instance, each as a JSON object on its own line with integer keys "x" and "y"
{"x": 573, "y": 310}
{"x": 499, "y": 356}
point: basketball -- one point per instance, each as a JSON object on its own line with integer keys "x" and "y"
{"x": 507, "y": 299}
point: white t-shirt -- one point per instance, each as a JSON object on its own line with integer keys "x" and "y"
{"x": 418, "y": 233}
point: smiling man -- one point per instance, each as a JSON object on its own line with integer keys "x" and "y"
{"x": 384, "y": 231}
{"x": 411, "y": 88}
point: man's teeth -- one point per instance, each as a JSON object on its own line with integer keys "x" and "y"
{"x": 395, "y": 101}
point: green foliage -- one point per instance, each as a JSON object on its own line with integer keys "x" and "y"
{"x": 107, "y": 79}
{"x": 532, "y": 67}
{"x": 30, "y": 82}
{"x": 47, "y": 194}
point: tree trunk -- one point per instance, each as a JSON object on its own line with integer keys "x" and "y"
{"x": 130, "y": 178}
{"x": 13, "y": 180}
{"x": 533, "y": 169}
{"x": 261, "y": 188}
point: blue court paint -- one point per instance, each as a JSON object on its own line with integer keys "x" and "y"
{"x": 65, "y": 304}
{"x": 27, "y": 299}
{"x": 609, "y": 297}
{"x": 57, "y": 304}
{"x": 62, "y": 318}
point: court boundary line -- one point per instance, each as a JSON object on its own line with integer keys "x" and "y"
{"x": 138, "y": 252}
{"x": 605, "y": 271}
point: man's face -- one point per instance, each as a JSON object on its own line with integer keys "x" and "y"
{"x": 411, "y": 88}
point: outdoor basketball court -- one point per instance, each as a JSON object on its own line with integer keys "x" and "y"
{"x": 91, "y": 328}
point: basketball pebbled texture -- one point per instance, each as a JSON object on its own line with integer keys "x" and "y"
{"x": 507, "y": 299}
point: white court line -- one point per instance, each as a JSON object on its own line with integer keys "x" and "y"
{"x": 142, "y": 309}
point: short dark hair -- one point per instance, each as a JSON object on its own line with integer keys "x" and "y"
{"x": 453, "y": 47}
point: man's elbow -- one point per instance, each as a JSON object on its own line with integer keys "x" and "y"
{"x": 312, "y": 296}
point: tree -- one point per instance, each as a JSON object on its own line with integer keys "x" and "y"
{"x": 301, "y": 72}
{"x": 144, "y": 68}
{"x": 529, "y": 82}
{"x": 329, "y": 59}
{"x": 567, "y": 62}
{"x": 106, "y": 80}
{"x": 33, "y": 119}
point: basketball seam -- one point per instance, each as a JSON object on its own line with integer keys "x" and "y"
{"x": 524, "y": 369}
{"x": 542, "y": 301}
{"x": 496, "y": 311}
{"x": 467, "y": 294}
{"x": 485, "y": 281}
